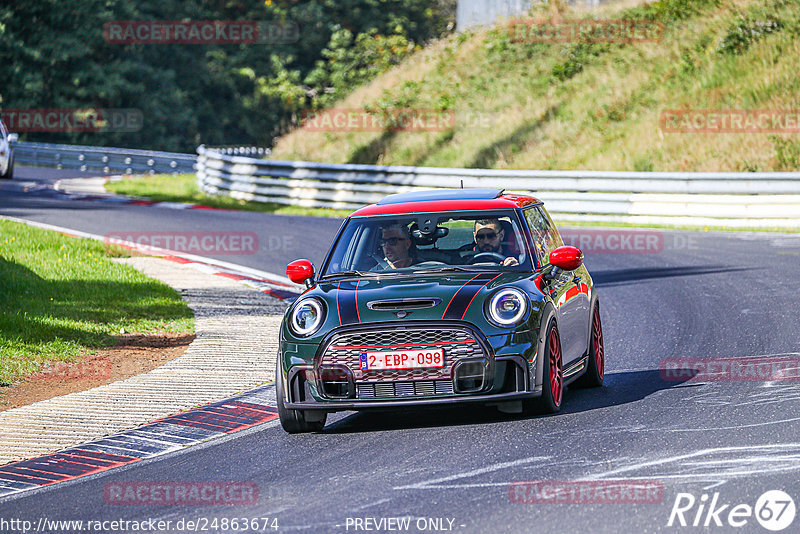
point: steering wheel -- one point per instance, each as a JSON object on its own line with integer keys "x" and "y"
{"x": 487, "y": 256}
{"x": 429, "y": 263}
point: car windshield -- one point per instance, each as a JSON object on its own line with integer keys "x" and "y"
{"x": 430, "y": 242}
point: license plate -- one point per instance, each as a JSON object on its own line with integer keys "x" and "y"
{"x": 402, "y": 359}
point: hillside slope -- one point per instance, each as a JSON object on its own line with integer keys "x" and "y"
{"x": 583, "y": 105}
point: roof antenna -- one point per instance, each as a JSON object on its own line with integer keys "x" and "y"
{"x": 462, "y": 183}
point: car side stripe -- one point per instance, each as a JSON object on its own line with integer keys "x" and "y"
{"x": 456, "y": 293}
{"x": 457, "y": 306}
{"x": 355, "y": 297}
{"x": 475, "y": 295}
{"x": 346, "y": 306}
{"x": 338, "y": 311}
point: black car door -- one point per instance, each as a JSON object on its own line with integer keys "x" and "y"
{"x": 568, "y": 290}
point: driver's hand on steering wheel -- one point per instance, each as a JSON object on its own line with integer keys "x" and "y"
{"x": 510, "y": 261}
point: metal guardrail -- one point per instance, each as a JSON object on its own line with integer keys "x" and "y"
{"x": 106, "y": 160}
{"x": 242, "y": 150}
{"x": 763, "y": 199}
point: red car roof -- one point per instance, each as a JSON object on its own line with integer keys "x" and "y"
{"x": 416, "y": 206}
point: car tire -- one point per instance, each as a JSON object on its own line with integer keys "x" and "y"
{"x": 552, "y": 374}
{"x": 293, "y": 421}
{"x": 596, "y": 361}
{"x": 9, "y": 174}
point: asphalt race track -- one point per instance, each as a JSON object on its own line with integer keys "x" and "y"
{"x": 694, "y": 295}
{"x": 280, "y": 238}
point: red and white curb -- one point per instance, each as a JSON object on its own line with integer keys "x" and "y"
{"x": 165, "y": 435}
{"x": 159, "y": 437}
{"x": 274, "y": 285}
{"x": 272, "y": 288}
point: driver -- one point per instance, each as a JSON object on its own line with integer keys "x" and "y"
{"x": 489, "y": 236}
{"x": 396, "y": 246}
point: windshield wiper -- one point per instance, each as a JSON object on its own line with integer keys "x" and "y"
{"x": 350, "y": 273}
{"x": 451, "y": 268}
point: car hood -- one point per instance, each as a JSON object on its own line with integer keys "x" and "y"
{"x": 451, "y": 297}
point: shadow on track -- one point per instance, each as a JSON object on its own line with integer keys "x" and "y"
{"x": 620, "y": 388}
{"x": 620, "y": 277}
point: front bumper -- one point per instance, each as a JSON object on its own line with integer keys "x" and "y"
{"x": 327, "y": 376}
{"x": 433, "y": 401}
{"x": 511, "y": 382}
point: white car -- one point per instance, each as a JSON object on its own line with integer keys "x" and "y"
{"x": 6, "y": 152}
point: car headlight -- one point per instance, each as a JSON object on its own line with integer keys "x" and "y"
{"x": 507, "y": 307}
{"x": 306, "y": 317}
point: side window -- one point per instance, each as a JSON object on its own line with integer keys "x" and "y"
{"x": 555, "y": 237}
{"x": 543, "y": 233}
{"x": 340, "y": 260}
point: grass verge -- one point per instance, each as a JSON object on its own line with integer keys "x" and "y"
{"x": 61, "y": 297}
{"x": 585, "y": 105}
{"x": 183, "y": 188}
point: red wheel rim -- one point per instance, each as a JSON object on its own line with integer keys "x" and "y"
{"x": 556, "y": 372}
{"x": 597, "y": 340}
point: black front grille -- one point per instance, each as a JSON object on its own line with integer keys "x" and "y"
{"x": 418, "y": 388}
{"x": 345, "y": 348}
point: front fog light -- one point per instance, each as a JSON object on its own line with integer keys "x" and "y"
{"x": 507, "y": 307}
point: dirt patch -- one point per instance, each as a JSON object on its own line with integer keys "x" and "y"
{"x": 132, "y": 355}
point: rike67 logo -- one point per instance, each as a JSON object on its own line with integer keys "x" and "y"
{"x": 774, "y": 510}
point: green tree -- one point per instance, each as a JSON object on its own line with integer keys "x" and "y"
{"x": 54, "y": 55}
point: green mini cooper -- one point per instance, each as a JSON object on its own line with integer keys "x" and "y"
{"x": 439, "y": 297}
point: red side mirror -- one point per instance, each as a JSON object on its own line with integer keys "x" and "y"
{"x": 299, "y": 271}
{"x": 567, "y": 257}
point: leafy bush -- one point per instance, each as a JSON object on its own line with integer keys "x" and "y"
{"x": 787, "y": 152}
{"x": 744, "y": 32}
{"x": 403, "y": 96}
{"x": 577, "y": 56}
{"x": 350, "y": 62}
